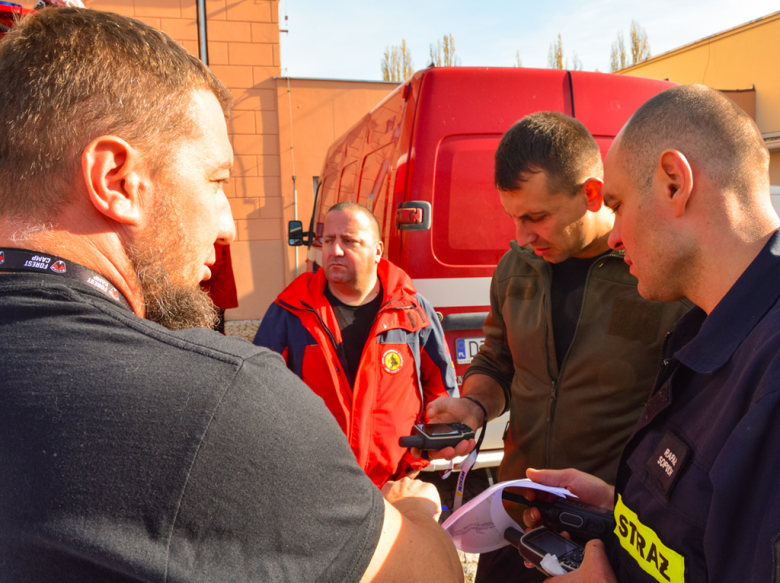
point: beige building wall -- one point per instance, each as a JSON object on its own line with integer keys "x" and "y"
{"x": 740, "y": 58}
{"x": 312, "y": 114}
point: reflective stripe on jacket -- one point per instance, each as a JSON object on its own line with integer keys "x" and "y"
{"x": 405, "y": 365}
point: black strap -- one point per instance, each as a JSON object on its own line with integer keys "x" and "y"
{"x": 25, "y": 260}
{"x": 484, "y": 420}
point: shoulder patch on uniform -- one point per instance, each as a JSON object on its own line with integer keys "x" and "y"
{"x": 392, "y": 361}
{"x": 636, "y": 319}
{"x": 645, "y": 547}
{"x": 667, "y": 461}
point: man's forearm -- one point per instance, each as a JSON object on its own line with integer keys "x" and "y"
{"x": 413, "y": 547}
{"x": 487, "y": 391}
{"x": 442, "y": 558}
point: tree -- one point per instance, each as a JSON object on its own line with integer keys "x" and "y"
{"x": 576, "y": 64}
{"x": 637, "y": 44}
{"x": 443, "y": 55}
{"x": 397, "y": 63}
{"x": 555, "y": 54}
{"x": 617, "y": 59}
{"x": 555, "y": 58}
{"x": 518, "y": 61}
{"x": 640, "y": 47}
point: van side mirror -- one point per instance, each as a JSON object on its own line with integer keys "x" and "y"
{"x": 295, "y": 234}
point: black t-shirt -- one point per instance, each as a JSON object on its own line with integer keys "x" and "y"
{"x": 132, "y": 453}
{"x": 355, "y": 323}
{"x": 568, "y": 290}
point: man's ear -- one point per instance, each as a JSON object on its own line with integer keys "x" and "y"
{"x": 114, "y": 177}
{"x": 592, "y": 188}
{"x": 379, "y": 249}
{"x": 675, "y": 177}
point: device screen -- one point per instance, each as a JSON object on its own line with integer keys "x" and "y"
{"x": 548, "y": 542}
{"x": 437, "y": 429}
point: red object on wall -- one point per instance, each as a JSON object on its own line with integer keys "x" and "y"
{"x": 221, "y": 287}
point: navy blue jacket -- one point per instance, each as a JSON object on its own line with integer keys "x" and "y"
{"x": 698, "y": 487}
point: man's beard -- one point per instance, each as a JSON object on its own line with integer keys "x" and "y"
{"x": 170, "y": 303}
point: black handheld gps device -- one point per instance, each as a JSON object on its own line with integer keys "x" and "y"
{"x": 437, "y": 435}
{"x": 535, "y": 544}
{"x": 580, "y": 520}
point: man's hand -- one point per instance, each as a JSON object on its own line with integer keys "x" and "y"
{"x": 413, "y": 496}
{"x": 595, "y": 567}
{"x": 588, "y": 489}
{"x": 449, "y": 410}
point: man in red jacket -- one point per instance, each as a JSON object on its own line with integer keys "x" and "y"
{"x": 364, "y": 340}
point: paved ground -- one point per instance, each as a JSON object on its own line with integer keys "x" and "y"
{"x": 476, "y": 483}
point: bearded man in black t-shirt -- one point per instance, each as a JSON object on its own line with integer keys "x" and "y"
{"x": 135, "y": 444}
{"x": 363, "y": 339}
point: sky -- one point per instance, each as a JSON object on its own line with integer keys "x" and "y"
{"x": 345, "y": 40}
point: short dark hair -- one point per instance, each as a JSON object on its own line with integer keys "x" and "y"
{"x": 711, "y": 131}
{"x": 70, "y": 75}
{"x": 548, "y": 141}
{"x": 353, "y": 206}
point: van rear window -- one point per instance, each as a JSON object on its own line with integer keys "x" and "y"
{"x": 470, "y": 226}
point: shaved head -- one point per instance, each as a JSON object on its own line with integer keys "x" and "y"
{"x": 711, "y": 131}
{"x": 348, "y": 206}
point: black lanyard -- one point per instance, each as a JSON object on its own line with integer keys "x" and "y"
{"x": 15, "y": 260}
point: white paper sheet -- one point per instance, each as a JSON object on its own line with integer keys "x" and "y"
{"x": 552, "y": 565}
{"x": 479, "y": 525}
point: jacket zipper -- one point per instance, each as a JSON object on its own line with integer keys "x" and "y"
{"x": 338, "y": 348}
{"x": 555, "y": 383}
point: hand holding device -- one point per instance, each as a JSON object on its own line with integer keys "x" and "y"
{"x": 433, "y": 436}
{"x": 577, "y": 518}
{"x": 535, "y": 544}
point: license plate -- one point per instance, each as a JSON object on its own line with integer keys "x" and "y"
{"x": 466, "y": 348}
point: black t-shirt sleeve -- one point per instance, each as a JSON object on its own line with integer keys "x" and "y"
{"x": 275, "y": 493}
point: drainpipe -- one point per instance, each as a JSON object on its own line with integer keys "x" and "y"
{"x": 292, "y": 153}
{"x": 203, "y": 47}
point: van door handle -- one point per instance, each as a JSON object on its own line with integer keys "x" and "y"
{"x": 413, "y": 216}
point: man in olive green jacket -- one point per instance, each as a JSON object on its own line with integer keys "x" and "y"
{"x": 571, "y": 348}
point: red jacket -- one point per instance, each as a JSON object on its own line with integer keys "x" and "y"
{"x": 405, "y": 365}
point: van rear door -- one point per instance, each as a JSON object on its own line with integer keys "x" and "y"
{"x": 462, "y": 114}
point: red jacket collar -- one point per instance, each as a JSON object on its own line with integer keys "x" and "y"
{"x": 308, "y": 289}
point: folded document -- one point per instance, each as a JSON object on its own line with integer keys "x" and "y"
{"x": 479, "y": 525}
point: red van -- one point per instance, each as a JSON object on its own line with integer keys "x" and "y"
{"x": 422, "y": 161}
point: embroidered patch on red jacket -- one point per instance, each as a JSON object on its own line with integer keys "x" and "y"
{"x": 392, "y": 361}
